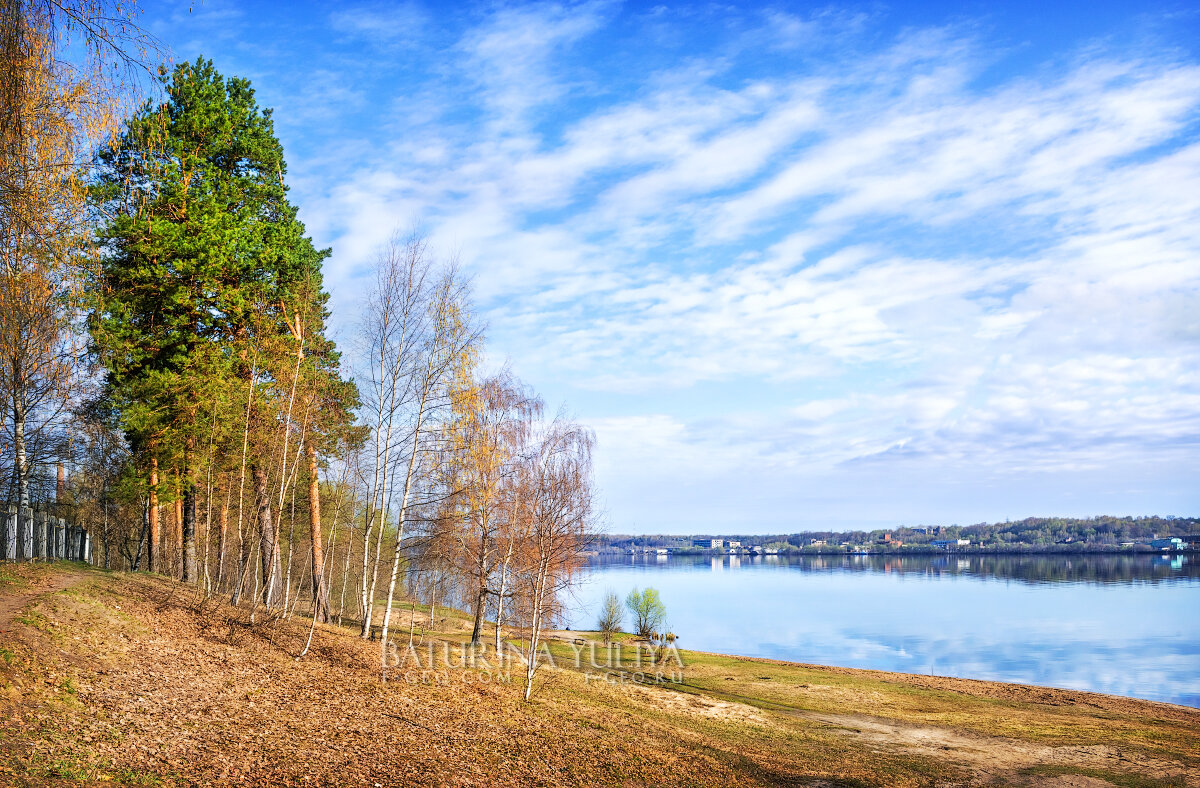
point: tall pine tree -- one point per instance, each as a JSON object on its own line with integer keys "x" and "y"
{"x": 202, "y": 256}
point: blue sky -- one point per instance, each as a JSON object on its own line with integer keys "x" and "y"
{"x": 800, "y": 267}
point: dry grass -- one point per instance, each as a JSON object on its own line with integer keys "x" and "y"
{"x": 136, "y": 680}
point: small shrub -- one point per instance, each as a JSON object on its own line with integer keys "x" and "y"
{"x": 649, "y": 613}
{"x": 611, "y": 617}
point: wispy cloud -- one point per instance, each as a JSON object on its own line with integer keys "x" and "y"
{"x": 383, "y": 25}
{"x": 511, "y": 55}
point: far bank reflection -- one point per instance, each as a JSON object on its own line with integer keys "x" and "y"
{"x": 1042, "y": 568}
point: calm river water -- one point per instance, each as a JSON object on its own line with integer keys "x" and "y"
{"x": 1126, "y": 625}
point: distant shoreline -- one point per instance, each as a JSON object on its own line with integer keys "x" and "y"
{"x": 1103, "y": 534}
{"x": 905, "y": 551}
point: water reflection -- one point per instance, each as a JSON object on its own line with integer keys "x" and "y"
{"x": 1128, "y": 568}
{"x": 1120, "y": 624}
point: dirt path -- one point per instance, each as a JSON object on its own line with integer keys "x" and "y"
{"x": 13, "y": 602}
{"x": 989, "y": 754}
{"x": 994, "y": 757}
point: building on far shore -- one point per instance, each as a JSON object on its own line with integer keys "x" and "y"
{"x": 1173, "y": 543}
{"x": 946, "y": 544}
{"x": 708, "y": 544}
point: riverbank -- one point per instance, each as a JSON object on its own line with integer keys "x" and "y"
{"x": 135, "y": 680}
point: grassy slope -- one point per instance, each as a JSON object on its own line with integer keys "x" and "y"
{"x": 132, "y": 679}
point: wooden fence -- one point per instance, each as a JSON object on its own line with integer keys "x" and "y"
{"x": 26, "y": 535}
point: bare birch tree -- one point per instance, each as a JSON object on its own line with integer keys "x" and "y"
{"x": 445, "y": 346}
{"x": 392, "y": 318}
{"x": 559, "y": 494}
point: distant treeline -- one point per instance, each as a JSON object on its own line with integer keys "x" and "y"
{"x": 1058, "y": 533}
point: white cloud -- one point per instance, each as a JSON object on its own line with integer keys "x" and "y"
{"x": 510, "y": 55}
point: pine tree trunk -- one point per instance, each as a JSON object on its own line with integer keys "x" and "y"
{"x": 268, "y": 546}
{"x": 243, "y": 567}
{"x": 153, "y": 551}
{"x": 287, "y": 580}
{"x": 320, "y": 591}
{"x": 188, "y": 526}
{"x": 222, "y": 532}
{"x": 346, "y": 572}
{"x": 177, "y": 527}
{"x": 137, "y": 557}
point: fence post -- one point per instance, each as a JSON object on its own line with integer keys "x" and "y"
{"x": 24, "y": 534}
{"x": 87, "y": 547}
{"x": 60, "y": 538}
{"x": 17, "y": 536}
{"x": 39, "y": 536}
{"x": 8, "y": 533}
